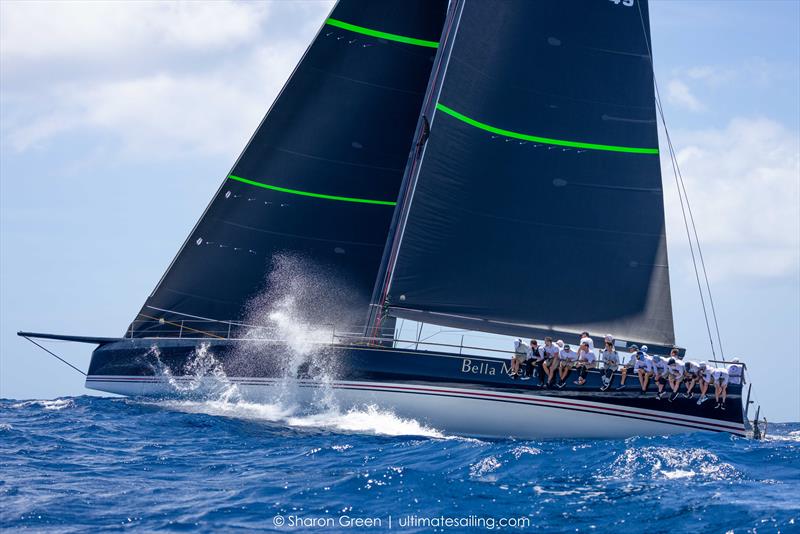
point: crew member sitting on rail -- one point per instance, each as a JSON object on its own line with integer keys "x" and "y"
{"x": 586, "y": 361}
{"x": 736, "y": 372}
{"x": 533, "y": 366}
{"x": 677, "y": 371}
{"x": 633, "y": 351}
{"x": 660, "y": 373}
{"x": 520, "y": 355}
{"x": 610, "y": 360}
{"x": 691, "y": 377}
{"x": 568, "y": 358}
{"x": 644, "y": 368}
{"x": 706, "y": 378}
{"x": 720, "y": 386}
{"x": 550, "y": 364}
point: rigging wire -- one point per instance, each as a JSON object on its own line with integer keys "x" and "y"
{"x": 683, "y": 196}
{"x": 55, "y": 355}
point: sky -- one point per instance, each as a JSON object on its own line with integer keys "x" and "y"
{"x": 119, "y": 120}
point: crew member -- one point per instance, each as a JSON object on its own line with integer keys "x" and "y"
{"x": 736, "y": 372}
{"x": 677, "y": 371}
{"x": 550, "y": 364}
{"x": 535, "y": 359}
{"x": 660, "y": 373}
{"x": 568, "y": 358}
{"x": 610, "y": 360}
{"x": 643, "y": 366}
{"x": 720, "y": 387}
{"x": 519, "y": 357}
{"x": 586, "y": 361}
{"x": 706, "y": 378}
{"x": 633, "y": 350}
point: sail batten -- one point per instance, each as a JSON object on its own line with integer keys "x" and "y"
{"x": 311, "y": 194}
{"x": 539, "y": 139}
{"x": 381, "y": 34}
{"x": 514, "y": 233}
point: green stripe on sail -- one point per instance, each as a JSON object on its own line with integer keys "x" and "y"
{"x": 381, "y": 35}
{"x": 308, "y": 194}
{"x": 544, "y": 140}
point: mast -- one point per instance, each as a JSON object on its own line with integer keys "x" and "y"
{"x": 376, "y": 314}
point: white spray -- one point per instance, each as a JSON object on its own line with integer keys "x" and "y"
{"x": 304, "y": 307}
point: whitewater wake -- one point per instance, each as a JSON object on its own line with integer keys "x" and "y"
{"x": 368, "y": 419}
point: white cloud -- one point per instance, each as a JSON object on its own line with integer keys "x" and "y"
{"x": 43, "y": 31}
{"x": 150, "y": 78}
{"x": 755, "y": 71}
{"x": 679, "y": 94}
{"x": 744, "y": 187}
{"x": 166, "y": 113}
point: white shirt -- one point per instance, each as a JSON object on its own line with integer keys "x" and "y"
{"x": 551, "y": 351}
{"x": 677, "y": 370}
{"x": 587, "y": 356}
{"x": 568, "y": 355}
{"x": 707, "y": 374}
{"x": 692, "y": 367}
{"x": 660, "y": 367}
{"x": 587, "y": 340}
{"x": 609, "y": 357}
{"x": 721, "y": 375}
{"x": 735, "y": 373}
{"x": 645, "y": 363}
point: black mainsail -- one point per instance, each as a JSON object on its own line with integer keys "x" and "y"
{"x": 320, "y": 177}
{"x": 537, "y": 204}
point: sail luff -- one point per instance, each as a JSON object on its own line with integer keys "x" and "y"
{"x": 375, "y": 314}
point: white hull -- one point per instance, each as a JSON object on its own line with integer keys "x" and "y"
{"x": 449, "y": 409}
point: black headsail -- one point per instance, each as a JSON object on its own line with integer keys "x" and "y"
{"x": 319, "y": 179}
{"x": 537, "y": 205}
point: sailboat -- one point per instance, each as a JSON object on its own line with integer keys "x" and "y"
{"x": 491, "y": 166}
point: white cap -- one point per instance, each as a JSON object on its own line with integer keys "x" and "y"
{"x": 644, "y": 348}
{"x": 560, "y": 344}
{"x": 610, "y": 338}
{"x": 702, "y": 364}
{"x": 735, "y": 360}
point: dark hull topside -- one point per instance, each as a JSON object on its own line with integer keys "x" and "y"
{"x": 267, "y": 359}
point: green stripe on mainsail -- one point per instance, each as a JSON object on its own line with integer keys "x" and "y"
{"x": 308, "y": 194}
{"x": 544, "y": 140}
{"x": 381, "y": 35}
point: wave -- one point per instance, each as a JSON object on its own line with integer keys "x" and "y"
{"x": 368, "y": 419}
{"x": 670, "y": 463}
{"x": 793, "y": 436}
{"x": 54, "y": 405}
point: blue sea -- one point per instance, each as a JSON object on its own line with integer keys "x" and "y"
{"x": 88, "y": 464}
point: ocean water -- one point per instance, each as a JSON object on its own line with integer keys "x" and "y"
{"x": 88, "y": 464}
